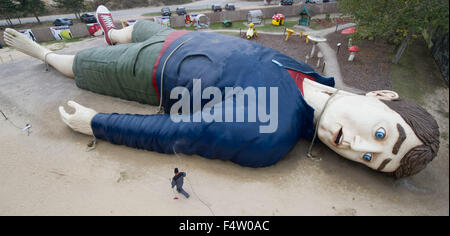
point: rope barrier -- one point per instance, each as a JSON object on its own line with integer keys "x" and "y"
{"x": 45, "y": 61}
{"x": 92, "y": 144}
{"x": 160, "y": 108}
{"x": 192, "y": 188}
{"x": 309, "y": 153}
{"x": 26, "y": 128}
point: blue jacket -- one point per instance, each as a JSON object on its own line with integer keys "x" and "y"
{"x": 220, "y": 61}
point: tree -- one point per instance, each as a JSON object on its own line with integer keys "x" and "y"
{"x": 75, "y": 6}
{"x": 95, "y": 3}
{"x": 7, "y": 10}
{"x": 34, "y": 7}
{"x": 396, "y": 21}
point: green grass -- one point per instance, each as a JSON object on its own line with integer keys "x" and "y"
{"x": 267, "y": 27}
{"x": 416, "y": 74}
{"x": 316, "y": 26}
{"x": 236, "y": 26}
{"x": 74, "y": 40}
{"x": 152, "y": 14}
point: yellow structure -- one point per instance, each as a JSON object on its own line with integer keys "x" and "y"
{"x": 251, "y": 32}
{"x": 278, "y": 19}
{"x": 306, "y": 38}
{"x": 289, "y": 33}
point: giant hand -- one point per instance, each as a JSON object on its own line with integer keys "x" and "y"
{"x": 79, "y": 121}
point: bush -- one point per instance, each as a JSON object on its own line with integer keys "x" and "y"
{"x": 327, "y": 16}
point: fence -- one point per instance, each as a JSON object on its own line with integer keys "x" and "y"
{"x": 44, "y": 34}
{"x": 80, "y": 30}
{"x": 268, "y": 12}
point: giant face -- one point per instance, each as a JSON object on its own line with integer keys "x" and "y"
{"x": 364, "y": 129}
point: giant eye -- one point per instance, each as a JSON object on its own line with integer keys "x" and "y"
{"x": 367, "y": 156}
{"x": 380, "y": 133}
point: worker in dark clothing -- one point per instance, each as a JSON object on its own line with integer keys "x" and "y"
{"x": 177, "y": 180}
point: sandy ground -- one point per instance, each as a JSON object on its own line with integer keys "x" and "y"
{"x": 49, "y": 172}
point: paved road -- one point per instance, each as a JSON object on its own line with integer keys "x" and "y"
{"x": 129, "y": 13}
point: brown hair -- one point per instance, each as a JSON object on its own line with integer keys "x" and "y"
{"x": 426, "y": 129}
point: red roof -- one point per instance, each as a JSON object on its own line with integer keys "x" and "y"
{"x": 278, "y": 16}
{"x": 350, "y": 30}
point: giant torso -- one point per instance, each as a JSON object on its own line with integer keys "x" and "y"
{"x": 225, "y": 61}
{"x": 222, "y": 62}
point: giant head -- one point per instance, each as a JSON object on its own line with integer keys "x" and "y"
{"x": 380, "y": 131}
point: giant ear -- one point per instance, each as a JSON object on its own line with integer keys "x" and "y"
{"x": 384, "y": 95}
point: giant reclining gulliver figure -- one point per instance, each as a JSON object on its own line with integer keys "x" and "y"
{"x": 228, "y": 98}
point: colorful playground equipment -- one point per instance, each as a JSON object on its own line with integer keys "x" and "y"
{"x": 349, "y": 31}
{"x": 227, "y": 23}
{"x": 305, "y": 17}
{"x": 196, "y": 20}
{"x": 278, "y": 19}
{"x": 255, "y": 17}
{"x": 353, "y": 50}
{"x": 315, "y": 40}
{"x": 306, "y": 37}
{"x": 251, "y": 32}
{"x": 289, "y": 33}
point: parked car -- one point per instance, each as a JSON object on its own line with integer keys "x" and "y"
{"x": 88, "y": 18}
{"x": 286, "y": 2}
{"x": 62, "y": 21}
{"x": 230, "y": 7}
{"x": 165, "y": 11}
{"x": 181, "y": 11}
{"x": 216, "y": 8}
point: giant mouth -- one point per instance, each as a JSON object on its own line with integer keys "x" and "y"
{"x": 339, "y": 137}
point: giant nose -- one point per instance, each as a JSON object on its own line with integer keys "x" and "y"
{"x": 361, "y": 145}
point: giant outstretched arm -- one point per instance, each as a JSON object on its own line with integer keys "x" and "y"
{"x": 224, "y": 140}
